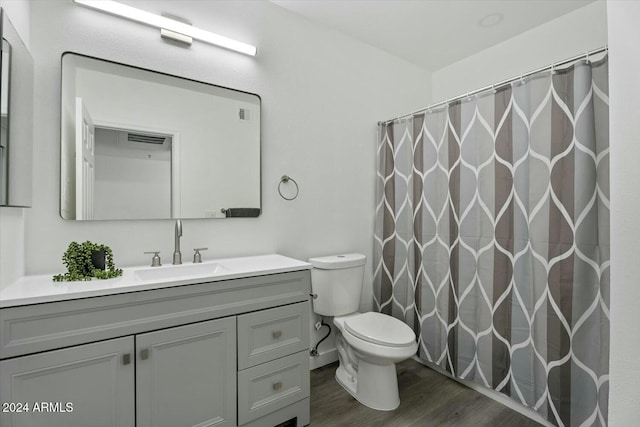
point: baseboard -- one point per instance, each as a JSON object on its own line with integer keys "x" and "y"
{"x": 324, "y": 358}
{"x": 491, "y": 394}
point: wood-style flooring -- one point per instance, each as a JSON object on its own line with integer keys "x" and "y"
{"x": 427, "y": 398}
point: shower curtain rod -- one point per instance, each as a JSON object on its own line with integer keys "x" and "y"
{"x": 495, "y": 85}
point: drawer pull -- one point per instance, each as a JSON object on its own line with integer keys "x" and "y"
{"x": 126, "y": 359}
{"x": 144, "y": 354}
{"x": 277, "y": 386}
{"x": 276, "y": 334}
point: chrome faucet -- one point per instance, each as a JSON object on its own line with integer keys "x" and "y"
{"x": 177, "y": 256}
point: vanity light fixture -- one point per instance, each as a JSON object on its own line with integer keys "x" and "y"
{"x": 168, "y": 25}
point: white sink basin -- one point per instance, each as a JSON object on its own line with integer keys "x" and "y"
{"x": 169, "y": 272}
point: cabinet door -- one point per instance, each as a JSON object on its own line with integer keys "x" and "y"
{"x": 186, "y": 376}
{"x": 88, "y": 385}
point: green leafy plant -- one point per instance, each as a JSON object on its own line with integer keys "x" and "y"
{"x": 77, "y": 259}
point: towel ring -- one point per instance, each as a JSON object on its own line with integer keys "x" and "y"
{"x": 286, "y": 179}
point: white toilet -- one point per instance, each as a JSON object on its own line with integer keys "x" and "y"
{"x": 369, "y": 344}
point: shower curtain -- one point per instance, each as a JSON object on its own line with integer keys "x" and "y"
{"x": 492, "y": 239}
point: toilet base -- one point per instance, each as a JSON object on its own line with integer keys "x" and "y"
{"x": 347, "y": 381}
{"x": 375, "y": 386}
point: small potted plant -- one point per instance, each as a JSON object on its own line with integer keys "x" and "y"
{"x": 87, "y": 260}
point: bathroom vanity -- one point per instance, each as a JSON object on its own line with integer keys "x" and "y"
{"x": 224, "y": 344}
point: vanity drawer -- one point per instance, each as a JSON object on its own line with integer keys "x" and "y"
{"x": 271, "y": 386}
{"x": 269, "y": 334}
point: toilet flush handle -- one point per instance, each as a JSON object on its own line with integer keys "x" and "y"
{"x": 314, "y": 296}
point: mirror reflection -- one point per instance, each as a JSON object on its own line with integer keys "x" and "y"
{"x": 4, "y": 120}
{"x": 138, "y": 144}
{"x": 16, "y": 118}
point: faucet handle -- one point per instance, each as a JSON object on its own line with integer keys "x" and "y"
{"x": 197, "y": 257}
{"x": 155, "y": 261}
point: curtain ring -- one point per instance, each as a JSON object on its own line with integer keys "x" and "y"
{"x": 286, "y": 179}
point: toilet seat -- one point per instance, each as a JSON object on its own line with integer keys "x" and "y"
{"x": 380, "y": 329}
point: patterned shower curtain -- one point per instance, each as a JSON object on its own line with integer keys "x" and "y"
{"x": 492, "y": 239}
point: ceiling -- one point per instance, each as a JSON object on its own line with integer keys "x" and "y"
{"x": 431, "y": 33}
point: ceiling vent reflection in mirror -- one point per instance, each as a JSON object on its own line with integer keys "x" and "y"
{"x": 244, "y": 114}
{"x": 168, "y": 25}
{"x": 145, "y": 139}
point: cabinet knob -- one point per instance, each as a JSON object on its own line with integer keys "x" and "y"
{"x": 277, "y": 386}
{"x": 144, "y": 354}
{"x": 276, "y": 334}
{"x": 126, "y": 358}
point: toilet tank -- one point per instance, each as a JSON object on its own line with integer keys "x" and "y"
{"x": 337, "y": 282}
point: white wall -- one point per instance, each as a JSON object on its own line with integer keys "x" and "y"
{"x": 319, "y": 113}
{"x": 624, "y": 111}
{"x": 12, "y": 220}
{"x": 564, "y": 37}
{"x": 322, "y": 94}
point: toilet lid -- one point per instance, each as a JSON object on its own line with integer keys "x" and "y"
{"x": 379, "y": 328}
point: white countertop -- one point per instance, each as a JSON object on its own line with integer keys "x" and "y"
{"x": 38, "y": 289}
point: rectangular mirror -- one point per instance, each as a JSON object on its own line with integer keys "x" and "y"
{"x": 16, "y": 118}
{"x": 139, "y": 144}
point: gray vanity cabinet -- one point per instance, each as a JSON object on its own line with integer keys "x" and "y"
{"x": 183, "y": 376}
{"x": 228, "y": 353}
